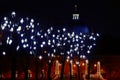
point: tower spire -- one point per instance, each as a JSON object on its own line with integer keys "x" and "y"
{"x": 75, "y": 6}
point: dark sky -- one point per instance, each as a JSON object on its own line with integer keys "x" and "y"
{"x": 96, "y": 14}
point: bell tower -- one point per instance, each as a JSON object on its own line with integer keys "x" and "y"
{"x": 75, "y": 15}
{"x": 77, "y": 23}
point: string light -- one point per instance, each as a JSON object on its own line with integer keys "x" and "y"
{"x": 54, "y": 39}
{"x": 4, "y": 53}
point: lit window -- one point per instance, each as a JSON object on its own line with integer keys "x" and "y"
{"x": 75, "y": 16}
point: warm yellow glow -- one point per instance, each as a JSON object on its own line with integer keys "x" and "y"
{"x": 95, "y": 65}
{"x": 83, "y": 64}
{"x": 67, "y": 60}
{"x": 74, "y": 65}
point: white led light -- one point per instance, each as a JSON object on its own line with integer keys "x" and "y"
{"x": 49, "y": 61}
{"x": 11, "y": 30}
{"x": 45, "y": 34}
{"x": 48, "y": 30}
{"x": 77, "y": 40}
{"x": 38, "y": 34}
{"x": 13, "y": 14}
{"x": 71, "y": 46}
{"x": 3, "y": 27}
{"x": 40, "y": 57}
{"x": 83, "y": 56}
{"x": 48, "y": 54}
{"x": 21, "y": 21}
{"x": 32, "y": 37}
{"x": 27, "y": 45}
{"x": 41, "y": 36}
{"x": 43, "y": 42}
{"x": 52, "y": 46}
{"x": 32, "y": 20}
{"x": 94, "y": 38}
{"x": 34, "y": 48}
{"x": 62, "y": 53}
{"x": 25, "y": 40}
{"x": 78, "y": 52}
{"x": 19, "y": 28}
{"x": 24, "y": 46}
{"x": 65, "y": 38}
{"x": 58, "y": 44}
{"x": 21, "y": 35}
{"x": 4, "y": 53}
{"x": 76, "y": 36}
{"x": 41, "y": 46}
{"x": 71, "y": 55}
{"x": 58, "y": 31}
{"x": 22, "y": 41}
{"x": 90, "y": 47}
{"x": 17, "y": 48}
{"x": 53, "y": 35}
{"x": 84, "y": 36}
{"x": 60, "y": 38}
{"x": 38, "y": 24}
{"x": 10, "y": 41}
{"x": 68, "y": 57}
{"x": 69, "y": 34}
{"x": 51, "y": 28}
{"x": 53, "y": 41}
{"x": 77, "y": 45}
{"x": 5, "y": 18}
{"x": 49, "y": 43}
{"x": 88, "y": 51}
{"x": 97, "y": 34}
{"x": 0, "y": 43}
{"x": 68, "y": 41}
{"x": 54, "y": 50}
{"x": 76, "y": 49}
{"x": 52, "y": 55}
{"x": 81, "y": 41}
{"x": 31, "y": 52}
{"x": 94, "y": 44}
{"x": 64, "y": 29}
{"x": 68, "y": 52}
{"x": 64, "y": 44}
{"x": 91, "y": 37}
{"x": 73, "y": 34}
{"x": 34, "y": 42}
{"x": 80, "y": 33}
{"x": 6, "y": 22}
{"x": 32, "y": 30}
{"x": 71, "y": 50}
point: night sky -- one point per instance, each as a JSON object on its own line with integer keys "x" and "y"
{"x": 96, "y": 14}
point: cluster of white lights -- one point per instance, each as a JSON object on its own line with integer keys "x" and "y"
{"x": 82, "y": 56}
{"x": 61, "y": 40}
{"x": 9, "y": 41}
